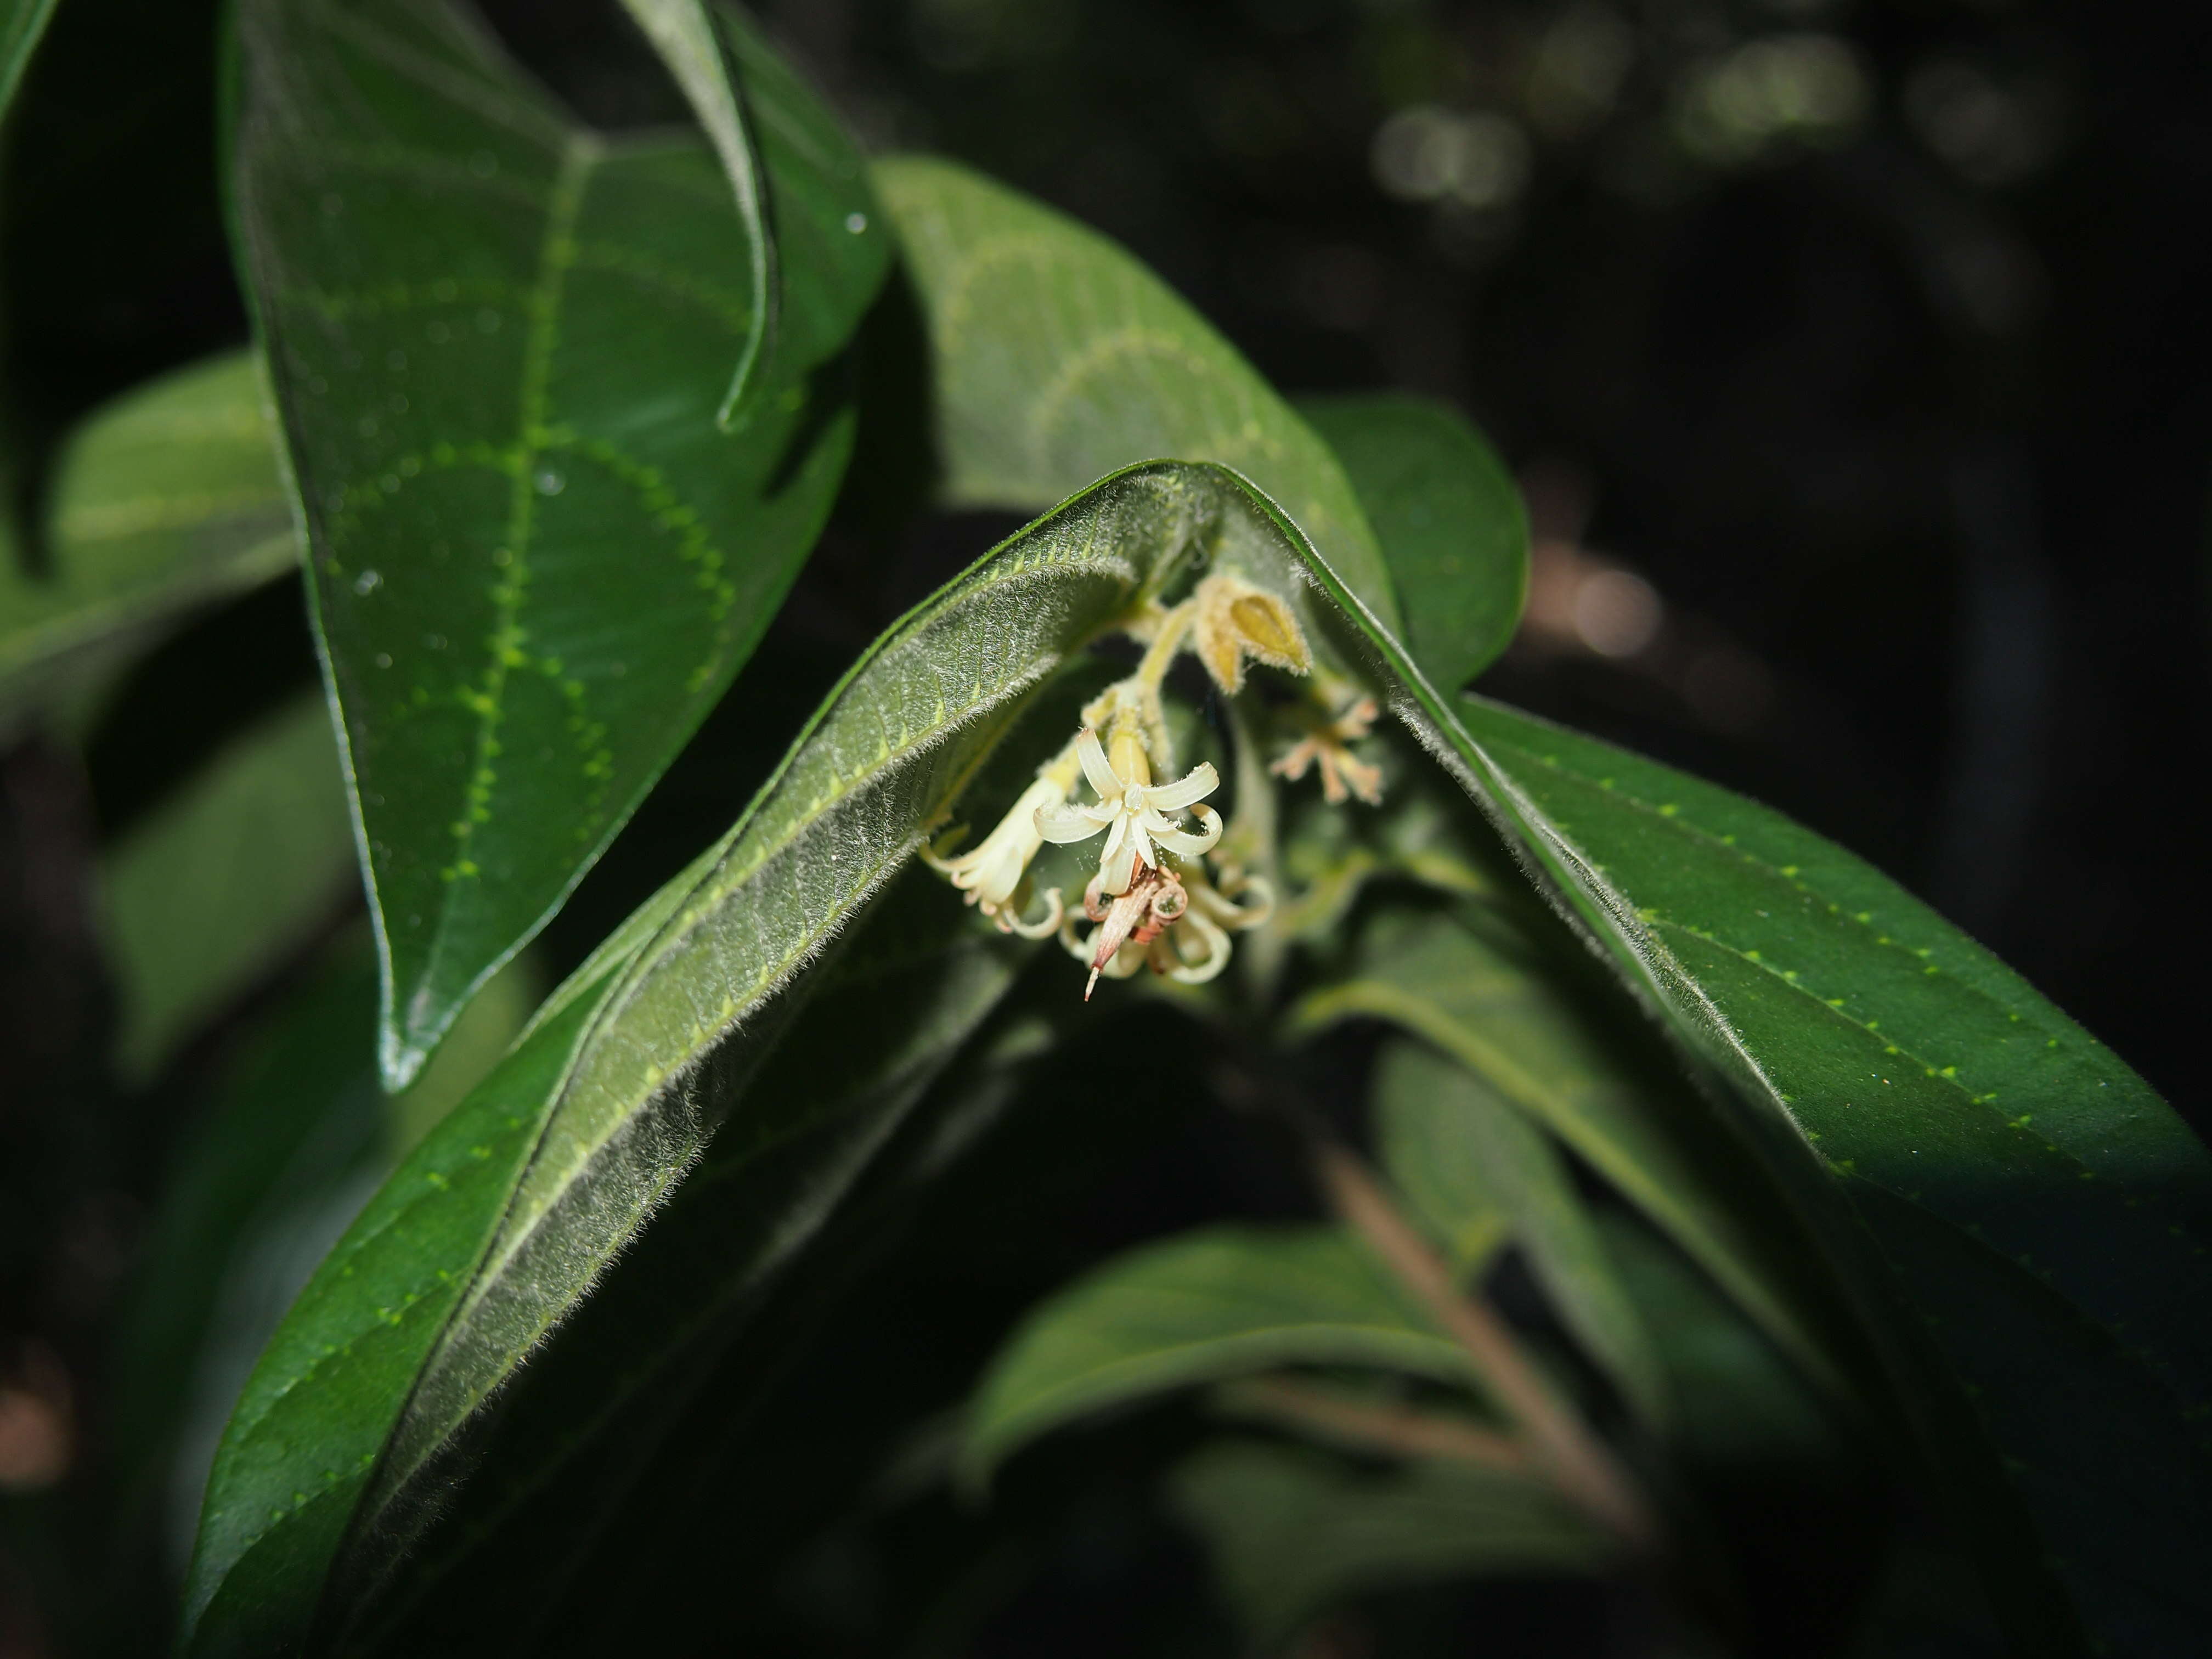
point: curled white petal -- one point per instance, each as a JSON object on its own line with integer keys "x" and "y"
{"x": 1062, "y": 824}
{"x": 1217, "y": 949}
{"x": 1185, "y": 842}
{"x": 1055, "y": 912}
{"x": 1092, "y": 754}
{"x": 1199, "y": 782}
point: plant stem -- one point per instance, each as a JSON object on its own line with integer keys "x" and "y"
{"x": 1580, "y": 1465}
{"x": 1399, "y": 1429}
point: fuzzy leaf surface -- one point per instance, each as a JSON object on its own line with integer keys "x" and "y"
{"x": 1447, "y": 516}
{"x": 215, "y": 889}
{"x": 1200, "y": 1308}
{"x": 499, "y": 343}
{"x": 1461, "y": 1154}
{"x": 1058, "y": 357}
{"x": 1291, "y": 1530}
{"x": 500, "y": 1223}
{"x": 167, "y": 498}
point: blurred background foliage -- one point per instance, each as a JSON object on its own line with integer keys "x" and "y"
{"x": 1852, "y": 355}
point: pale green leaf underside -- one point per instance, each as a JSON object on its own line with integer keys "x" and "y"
{"x": 220, "y": 884}
{"x": 1057, "y": 358}
{"x": 609, "y": 1099}
{"x": 1291, "y": 1530}
{"x": 1199, "y": 1309}
{"x": 499, "y": 344}
{"x": 1462, "y": 1155}
{"x": 165, "y": 499}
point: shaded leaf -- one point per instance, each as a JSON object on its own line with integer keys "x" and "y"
{"x": 1738, "y": 1402}
{"x": 1291, "y": 1531}
{"x": 1058, "y": 357}
{"x": 498, "y": 343}
{"x": 1467, "y": 1161}
{"x": 2001, "y": 1198}
{"x": 1495, "y": 1009}
{"x": 1957, "y": 1139}
{"x": 164, "y": 500}
{"x": 674, "y": 1331}
{"x": 1449, "y": 518}
{"x": 22, "y": 23}
{"x": 241, "y": 868}
{"x": 1219, "y": 1304}
{"x": 501, "y": 1222}
{"x": 296, "y": 1137}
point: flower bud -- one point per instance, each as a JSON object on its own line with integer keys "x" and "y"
{"x": 1237, "y": 620}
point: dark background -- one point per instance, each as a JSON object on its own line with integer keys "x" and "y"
{"x": 1849, "y": 355}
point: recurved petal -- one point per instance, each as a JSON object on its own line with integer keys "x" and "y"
{"x": 1183, "y": 841}
{"x": 1062, "y": 824}
{"x": 1196, "y": 785}
{"x": 1092, "y": 754}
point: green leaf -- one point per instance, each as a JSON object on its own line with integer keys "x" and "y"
{"x": 799, "y": 1178}
{"x": 499, "y": 1223}
{"x": 216, "y": 888}
{"x": 683, "y": 32}
{"x": 1492, "y": 1004}
{"x": 1058, "y": 357}
{"x": 1219, "y": 1304}
{"x": 1739, "y": 1404}
{"x": 296, "y": 1137}
{"x": 1291, "y": 1531}
{"x": 22, "y": 23}
{"x": 1449, "y": 518}
{"x": 499, "y": 342}
{"x": 1957, "y": 1139}
{"x": 2014, "y": 1216}
{"x": 165, "y": 499}
{"x": 1468, "y": 1161}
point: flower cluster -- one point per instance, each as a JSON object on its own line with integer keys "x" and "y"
{"x": 1152, "y": 902}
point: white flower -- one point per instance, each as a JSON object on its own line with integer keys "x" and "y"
{"x": 991, "y": 872}
{"x": 1133, "y": 811}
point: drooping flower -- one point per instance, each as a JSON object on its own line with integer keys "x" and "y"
{"x": 991, "y": 872}
{"x": 1152, "y": 924}
{"x": 1343, "y": 775}
{"x": 1136, "y": 815}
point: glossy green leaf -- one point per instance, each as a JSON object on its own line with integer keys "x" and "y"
{"x": 1291, "y": 1531}
{"x": 1449, "y": 518}
{"x": 1489, "y": 1003}
{"x": 165, "y": 499}
{"x": 499, "y": 342}
{"x": 1057, "y": 357}
{"x": 501, "y": 1222}
{"x": 683, "y": 32}
{"x": 22, "y": 23}
{"x": 1468, "y": 1163}
{"x": 213, "y": 891}
{"x": 1222, "y": 1302}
